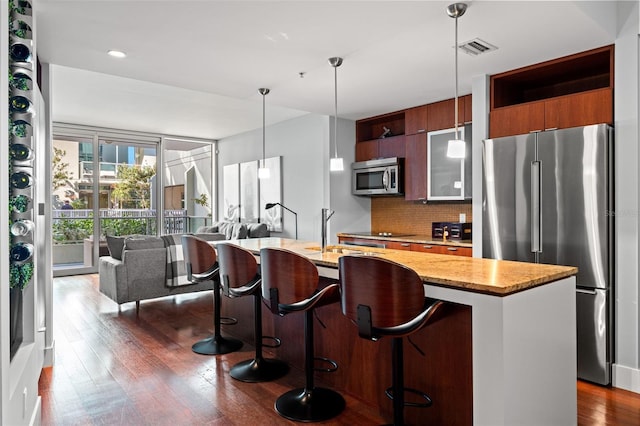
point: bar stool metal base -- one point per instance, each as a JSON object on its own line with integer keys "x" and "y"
{"x": 259, "y": 370}
{"x": 216, "y": 345}
{"x": 314, "y": 405}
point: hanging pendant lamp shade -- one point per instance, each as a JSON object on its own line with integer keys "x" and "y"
{"x": 335, "y": 163}
{"x": 456, "y": 148}
{"x": 263, "y": 171}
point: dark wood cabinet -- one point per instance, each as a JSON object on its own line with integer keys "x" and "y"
{"x": 381, "y": 148}
{"x": 442, "y": 114}
{"x": 392, "y": 147}
{"x": 428, "y": 248}
{"x": 415, "y": 120}
{"x": 403, "y": 245}
{"x": 366, "y": 150}
{"x": 517, "y": 119}
{"x": 572, "y": 91}
{"x": 415, "y": 167}
{"x": 581, "y": 109}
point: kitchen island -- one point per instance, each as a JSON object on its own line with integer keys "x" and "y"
{"x": 504, "y": 353}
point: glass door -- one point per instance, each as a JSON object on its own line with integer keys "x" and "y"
{"x": 127, "y": 188}
{"x": 72, "y": 189}
{"x": 105, "y": 175}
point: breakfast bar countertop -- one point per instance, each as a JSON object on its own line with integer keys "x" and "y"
{"x": 488, "y": 276}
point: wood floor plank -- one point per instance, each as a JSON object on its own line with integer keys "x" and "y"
{"x": 113, "y": 367}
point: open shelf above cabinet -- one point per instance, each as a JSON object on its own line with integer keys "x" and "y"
{"x": 573, "y": 74}
{"x": 374, "y": 128}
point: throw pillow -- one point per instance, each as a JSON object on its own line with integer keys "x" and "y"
{"x": 207, "y": 229}
{"x": 257, "y": 230}
{"x": 239, "y": 231}
{"x": 115, "y": 246}
{"x": 143, "y": 243}
{"x": 226, "y": 228}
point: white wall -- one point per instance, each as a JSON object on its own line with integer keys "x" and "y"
{"x": 307, "y": 186}
{"x": 626, "y": 371}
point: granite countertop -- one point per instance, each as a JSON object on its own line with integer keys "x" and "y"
{"x": 489, "y": 276}
{"x": 417, "y": 239}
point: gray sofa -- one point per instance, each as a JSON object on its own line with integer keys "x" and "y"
{"x": 146, "y": 267}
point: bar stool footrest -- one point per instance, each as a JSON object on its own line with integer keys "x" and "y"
{"x": 333, "y": 365}
{"x": 276, "y": 340}
{"x": 228, "y": 321}
{"x": 428, "y": 402}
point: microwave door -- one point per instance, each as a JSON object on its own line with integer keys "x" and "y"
{"x": 368, "y": 181}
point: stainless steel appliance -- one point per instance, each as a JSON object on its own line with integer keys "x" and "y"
{"x": 548, "y": 198}
{"x": 378, "y": 177}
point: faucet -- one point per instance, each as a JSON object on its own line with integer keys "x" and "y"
{"x": 326, "y": 215}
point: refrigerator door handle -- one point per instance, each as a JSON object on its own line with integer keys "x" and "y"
{"x": 536, "y": 231}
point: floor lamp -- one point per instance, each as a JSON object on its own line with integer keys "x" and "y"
{"x": 272, "y": 205}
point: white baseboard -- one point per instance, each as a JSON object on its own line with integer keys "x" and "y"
{"x": 626, "y": 378}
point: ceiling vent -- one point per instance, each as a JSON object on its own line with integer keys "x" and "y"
{"x": 476, "y": 46}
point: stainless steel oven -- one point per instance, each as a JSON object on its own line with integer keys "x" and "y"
{"x": 378, "y": 177}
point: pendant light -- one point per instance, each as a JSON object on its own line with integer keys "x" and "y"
{"x": 263, "y": 171}
{"x": 335, "y": 163}
{"x": 456, "y": 147}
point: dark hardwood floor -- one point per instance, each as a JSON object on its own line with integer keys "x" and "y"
{"x": 116, "y": 368}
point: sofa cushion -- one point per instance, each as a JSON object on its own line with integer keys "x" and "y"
{"x": 115, "y": 246}
{"x": 210, "y": 236}
{"x": 207, "y": 229}
{"x": 257, "y": 230}
{"x": 143, "y": 243}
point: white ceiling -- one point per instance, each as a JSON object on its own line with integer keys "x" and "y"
{"x": 194, "y": 67}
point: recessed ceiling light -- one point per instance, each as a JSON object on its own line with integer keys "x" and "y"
{"x": 117, "y": 54}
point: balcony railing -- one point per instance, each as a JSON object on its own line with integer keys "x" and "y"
{"x": 75, "y": 225}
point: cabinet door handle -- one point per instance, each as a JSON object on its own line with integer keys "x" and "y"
{"x": 405, "y": 245}
{"x": 420, "y": 131}
{"x": 427, "y": 247}
{"x": 452, "y": 249}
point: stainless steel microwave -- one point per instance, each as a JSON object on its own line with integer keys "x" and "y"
{"x": 384, "y": 176}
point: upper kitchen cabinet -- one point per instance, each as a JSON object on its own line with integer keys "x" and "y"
{"x": 415, "y": 120}
{"x": 572, "y": 91}
{"x": 415, "y": 168}
{"x": 381, "y": 136}
{"x": 448, "y": 178}
{"x": 442, "y": 114}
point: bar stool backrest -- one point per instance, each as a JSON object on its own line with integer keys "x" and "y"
{"x": 238, "y": 266}
{"x": 393, "y": 292}
{"x": 294, "y": 276}
{"x": 200, "y": 258}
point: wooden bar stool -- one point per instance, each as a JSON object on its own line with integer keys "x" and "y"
{"x": 384, "y": 298}
{"x": 239, "y": 276}
{"x": 201, "y": 262}
{"x": 290, "y": 284}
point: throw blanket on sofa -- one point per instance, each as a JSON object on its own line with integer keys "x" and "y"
{"x": 176, "y": 268}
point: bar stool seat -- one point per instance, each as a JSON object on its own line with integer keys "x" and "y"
{"x": 290, "y": 284}
{"x": 384, "y": 298}
{"x": 239, "y": 276}
{"x": 202, "y": 265}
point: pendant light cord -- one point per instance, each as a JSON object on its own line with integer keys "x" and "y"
{"x": 263, "y": 129}
{"x": 335, "y": 119}
{"x": 456, "y": 89}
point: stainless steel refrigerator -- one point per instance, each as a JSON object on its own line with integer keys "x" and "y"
{"x": 548, "y": 198}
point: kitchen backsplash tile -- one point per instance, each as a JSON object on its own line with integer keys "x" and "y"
{"x": 394, "y": 214}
